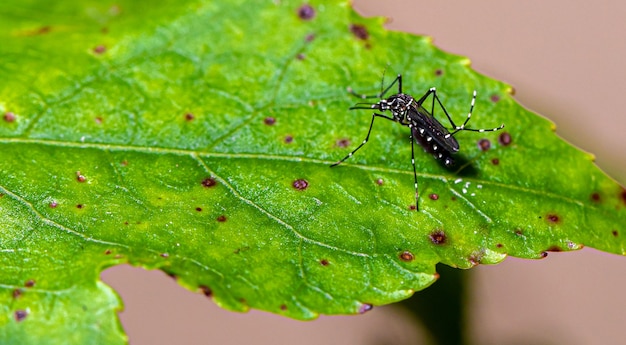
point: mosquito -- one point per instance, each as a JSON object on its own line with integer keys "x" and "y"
{"x": 426, "y": 130}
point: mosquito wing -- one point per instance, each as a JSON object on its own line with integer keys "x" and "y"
{"x": 426, "y": 126}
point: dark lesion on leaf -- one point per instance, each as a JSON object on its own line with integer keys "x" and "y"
{"x": 209, "y": 182}
{"x": 359, "y": 31}
{"x": 406, "y": 256}
{"x": 206, "y": 290}
{"x": 438, "y": 237}
{"x": 306, "y": 12}
{"x": 20, "y": 315}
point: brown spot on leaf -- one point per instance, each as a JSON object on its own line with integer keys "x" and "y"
{"x": 29, "y": 283}
{"x": 543, "y": 255}
{"x": 438, "y": 237}
{"x": 100, "y": 49}
{"x": 433, "y": 196}
{"x": 553, "y": 218}
{"x": 623, "y": 196}
{"x": 80, "y": 206}
{"x": 359, "y": 31}
{"x": 324, "y": 262}
{"x": 407, "y": 256}
{"x": 107, "y": 252}
{"x": 206, "y": 291}
{"x": 595, "y": 197}
{"x": 209, "y": 182}
{"x": 283, "y": 307}
{"x": 505, "y": 138}
{"x": 519, "y": 232}
{"x": 80, "y": 177}
{"x": 554, "y": 248}
{"x": 495, "y": 161}
{"x": 475, "y": 258}
{"x": 9, "y": 116}
{"x": 412, "y": 207}
{"x": 365, "y": 307}
{"x": 199, "y": 209}
{"x": 380, "y": 181}
{"x": 53, "y": 204}
{"x": 499, "y": 245}
{"x": 343, "y": 142}
{"x": 17, "y": 293}
{"x": 484, "y": 144}
{"x": 221, "y": 218}
{"x": 165, "y": 255}
{"x": 189, "y": 117}
{"x": 300, "y": 56}
{"x": 615, "y": 233}
{"x": 495, "y": 98}
{"x": 306, "y": 12}
{"x": 288, "y": 139}
{"x": 309, "y": 37}
{"x": 20, "y": 315}
{"x": 300, "y": 184}
{"x": 270, "y": 121}
{"x": 438, "y": 72}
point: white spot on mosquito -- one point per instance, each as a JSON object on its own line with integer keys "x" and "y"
{"x": 457, "y": 181}
{"x": 421, "y": 130}
{"x": 435, "y": 147}
{"x": 467, "y": 184}
{"x": 481, "y": 130}
{"x": 479, "y": 186}
{"x": 364, "y": 141}
{"x": 433, "y": 89}
{"x": 429, "y": 138}
{"x": 464, "y": 191}
{"x": 473, "y": 194}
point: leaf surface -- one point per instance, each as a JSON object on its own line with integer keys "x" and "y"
{"x": 196, "y": 138}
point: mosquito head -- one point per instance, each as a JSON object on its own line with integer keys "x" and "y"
{"x": 398, "y": 105}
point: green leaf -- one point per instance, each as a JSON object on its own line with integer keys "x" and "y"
{"x": 195, "y": 137}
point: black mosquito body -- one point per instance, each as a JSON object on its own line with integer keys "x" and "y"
{"x": 425, "y": 128}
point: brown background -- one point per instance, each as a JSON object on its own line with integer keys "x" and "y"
{"x": 566, "y": 61}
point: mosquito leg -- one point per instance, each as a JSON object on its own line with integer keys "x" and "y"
{"x": 366, "y": 138}
{"x": 414, "y": 172}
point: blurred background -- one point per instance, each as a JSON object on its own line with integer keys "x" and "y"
{"x": 566, "y": 61}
